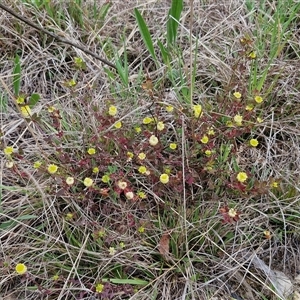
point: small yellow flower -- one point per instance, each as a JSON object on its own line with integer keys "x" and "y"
{"x": 147, "y": 120}
{"x": 130, "y": 155}
{"x": 142, "y": 170}
{"x": 25, "y": 111}
{"x": 8, "y": 150}
{"x": 118, "y": 125}
{"x": 95, "y": 170}
{"x": 160, "y": 126}
{"x": 91, "y": 151}
{"x": 241, "y": 177}
{"x": 232, "y": 212}
{"x": 252, "y": 55}
{"x": 249, "y": 107}
{"x": 211, "y": 131}
{"x": 229, "y": 124}
{"x": 129, "y": 195}
{"x": 105, "y": 178}
{"x": 37, "y": 164}
{"x": 52, "y": 169}
{"x": 122, "y": 245}
{"x": 112, "y": 110}
{"x": 112, "y": 251}
{"x": 71, "y": 82}
{"x": 208, "y": 152}
{"x": 142, "y": 156}
{"x": 169, "y": 108}
{"x": 259, "y": 120}
{"x": 274, "y": 184}
{"x": 88, "y": 182}
{"x": 141, "y": 195}
{"x": 20, "y": 100}
{"x": 258, "y": 99}
{"x": 70, "y": 180}
{"x": 9, "y": 164}
{"x": 137, "y": 129}
{"x": 141, "y": 229}
{"x": 267, "y": 234}
{"x": 197, "y": 110}
{"x": 122, "y": 184}
{"x": 21, "y": 269}
{"x": 204, "y": 139}
{"x": 253, "y": 142}
{"x": 164, "y": 178}
{"x": 238, "y": 119}
{"x": 99, "y": 288}
{"x": 237, "y": 95}
{"x": 153, "y": 140}
{"x": 55, "y": 277}
{"x": 173, "y": 146}
{"x": 69, "y": 216}
{"x": 51, "y": 109}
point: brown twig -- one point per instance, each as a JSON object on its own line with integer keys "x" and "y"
{"x": 55, "y": 36}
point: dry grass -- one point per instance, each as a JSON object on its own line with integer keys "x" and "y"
{"x": 173, "y": 244}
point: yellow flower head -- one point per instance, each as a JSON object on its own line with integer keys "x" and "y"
{"x": 169, "y": 108}
{"x": 99, "y": 288}
{"x": 37, "y": 164}
{"x": 105, "y": 178}
{"x": 21, "y": 100}
{"x": 21, "y": 269}
{"x": 122, "y": 184}
{"x": 258, "y": 99}
{"x": 91, "y": 151}
{"x": 70, "y": 180}
{"x": 238, "y": 119}
{"x": 112, "y": 110}
{"x": 112, "y": 251}
{"x": 25, "y": 111}
{"x": 141, "y": 195}
{"x": 52, "y": 169}
{"x": 118, "y": 125}
{"x": 153, "y": 140}
{"x": 137, "y": 129}
{"x": 164, "y": 178}
{"x": 51, "y": 109}
{"x": 88, "y": 182}
{"x": 210, "y": 131}
{"x": 8, "y": 151}
{"x": 197, "y": 110}
{"x": 274, "y": 184}
{"x": 160, "y": 126}
{"x": 208, "y": 152}
{"x": 253, "y": 142}
{"x": 129, "y": 195}
{"x": 173, "y": 146}
{"x": 147, "y": 120}
{"x": 142, "y": 156}
{"x": 252, "y": 55}
{"x": 142, "y": 169}
{"x": 249, "y": 107}
{"x": 204, "y": 139}
{"x": 232, "y": 212}
{"x": 242, "y": 177}
{"x": 141, "y": 229}
{"x": 259, "y": 120}
{"x": 237, "y": 95}
{"x": 95, "y": 170}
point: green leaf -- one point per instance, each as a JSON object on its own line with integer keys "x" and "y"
{"x": 145, "y": 33}
{"x": 34, "y": 98}
{"x": 126, "y": 281}
{"x": 17, "y": 75}
{"x": 104, "y": 10}
{"x": 174, "y": 17}
{"x": 164, "y": 53}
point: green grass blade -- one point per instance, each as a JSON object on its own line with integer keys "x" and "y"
{"x": 145, "y": 33}
{"x": 174, "y": 17}
{"x": 17, "y": 75}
